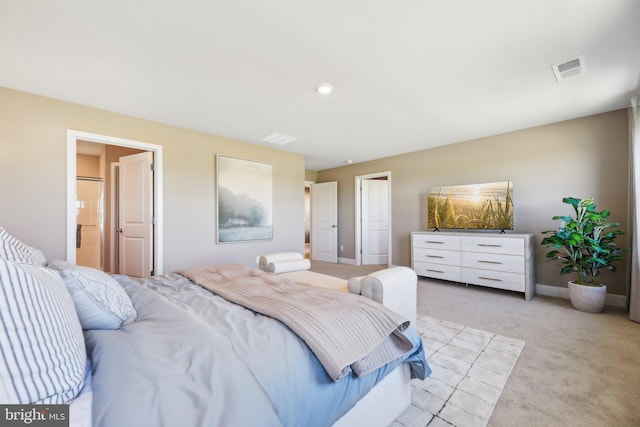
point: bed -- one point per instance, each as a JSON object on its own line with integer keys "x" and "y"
{"x": 166, "y": 351}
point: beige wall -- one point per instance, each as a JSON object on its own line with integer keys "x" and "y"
{"x": 311, "y": 176}
{"x": 33, "y": 180}
{"x": 586, "y": 157}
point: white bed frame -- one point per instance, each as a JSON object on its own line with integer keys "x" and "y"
{"x": 382, "y": 405}
{"x": 378, "y": 408}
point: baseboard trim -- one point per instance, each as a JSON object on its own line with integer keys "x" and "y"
{"x": 559, "y": 292}
{"x": 552, "y": 291}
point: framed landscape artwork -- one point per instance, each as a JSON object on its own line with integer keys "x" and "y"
{"x": 244, "y": 200}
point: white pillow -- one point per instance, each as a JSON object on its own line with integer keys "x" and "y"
{"x": 287, "y": 266}
{"x": 37, "y": 256}
{"x": 101, "y": 303}
{"x": 42, "y": 357}
{"x": 265, "y": 260}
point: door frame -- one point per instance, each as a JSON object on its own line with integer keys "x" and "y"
{"x": 358, "y": 215}
{"x": 75, "y": 135}
{"x": 113, "y": 214}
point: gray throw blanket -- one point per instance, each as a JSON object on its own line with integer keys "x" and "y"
{"x": 344, "y": 331}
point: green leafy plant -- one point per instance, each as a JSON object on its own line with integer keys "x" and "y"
{"x": 584, "y": 244}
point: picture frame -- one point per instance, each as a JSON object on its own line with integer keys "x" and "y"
{"x": 244, "y": 200}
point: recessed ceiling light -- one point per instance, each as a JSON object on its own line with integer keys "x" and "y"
{"x": 324, "y": 88}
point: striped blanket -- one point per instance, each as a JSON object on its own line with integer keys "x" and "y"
{"x": 345, "y": 331}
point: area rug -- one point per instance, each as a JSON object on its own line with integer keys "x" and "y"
{"x": 470, "y": 369}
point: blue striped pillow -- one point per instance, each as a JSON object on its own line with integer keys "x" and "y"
{"x": 42, "y": 352}
{"x": 13, "y": 249}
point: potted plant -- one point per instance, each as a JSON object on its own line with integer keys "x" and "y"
{"x": 584, "y": 245}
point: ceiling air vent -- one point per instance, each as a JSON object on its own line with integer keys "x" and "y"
{"x": 573, "y": 67}
{"x": 279, "y": 138}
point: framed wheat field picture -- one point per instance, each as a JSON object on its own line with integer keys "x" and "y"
{"x": 244, "y": 199}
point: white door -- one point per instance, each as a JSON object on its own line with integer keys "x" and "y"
{"x": 375, "y": 221}
{"x": 324, "y": 222}
{"x": 135, "y": 215}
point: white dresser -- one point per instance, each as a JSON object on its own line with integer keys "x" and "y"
{"x": 503, "y": 261}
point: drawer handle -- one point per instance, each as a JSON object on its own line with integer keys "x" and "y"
{"x": 489, "y": 262}
{"x": 490, "y": 245}
{"x": 433, "y": 241}
{"x": 435, "y": 271}
{"x": 490, "y": 278}
{"x": 434, "y": 256}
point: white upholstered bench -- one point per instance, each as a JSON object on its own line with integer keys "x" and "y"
{"x": 393, "y": 287}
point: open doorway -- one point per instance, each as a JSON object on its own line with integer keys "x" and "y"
{"x": 373, "y": 219}
{"x": 107, "y": 153}
{"x": 99, "y": 239}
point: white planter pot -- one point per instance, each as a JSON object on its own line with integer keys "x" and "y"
{"x": 587, "y": 298}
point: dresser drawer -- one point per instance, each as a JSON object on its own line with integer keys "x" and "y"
{"x": 496, "y": 245}
{"x": 438, "y": 271}
{"x": 495, "y": 262}
{"x": 436, "y": 256}
{"x": 435, "y": 241}
{"x": 494, "y": 279}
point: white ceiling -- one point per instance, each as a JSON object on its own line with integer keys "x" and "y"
{"x": 408, "y": 75}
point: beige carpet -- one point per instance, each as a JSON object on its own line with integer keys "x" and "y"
{"x": 577, "y": 369}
